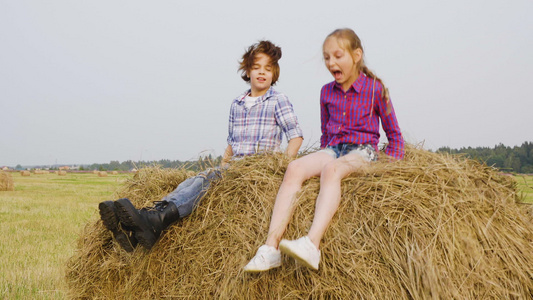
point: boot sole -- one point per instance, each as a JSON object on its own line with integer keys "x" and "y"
{"x": 127, "y": 214}
{"x": 109, "y": 218}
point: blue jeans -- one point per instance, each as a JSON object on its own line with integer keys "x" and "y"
{"x": 189, "y": 193}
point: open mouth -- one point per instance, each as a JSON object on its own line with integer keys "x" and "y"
{"x": 336, "y": 74}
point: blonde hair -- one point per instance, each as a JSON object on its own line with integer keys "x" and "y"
{"x": 349, "y": 40}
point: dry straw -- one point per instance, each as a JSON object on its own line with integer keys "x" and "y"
{"x": 429, "y": 227}
{"x": 6, "y": 182}
{"x": 102, "y": 174}
{"x": 62, "y": 173}
{"x": 25, "y": 173}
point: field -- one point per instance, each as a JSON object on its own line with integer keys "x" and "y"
{"x": 40, "y": 222}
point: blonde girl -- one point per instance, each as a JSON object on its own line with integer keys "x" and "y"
{"x": 351, "y": 109}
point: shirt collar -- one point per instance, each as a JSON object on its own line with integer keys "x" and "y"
{"x": 357, "y": 85}
{"x": 265, "y": 96}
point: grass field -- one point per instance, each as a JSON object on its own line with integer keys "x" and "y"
{"x": 40, "y": 222}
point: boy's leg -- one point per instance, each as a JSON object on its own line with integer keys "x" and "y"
{"x": 189, "y": 195}
{"x": 124, "y": 236}
{"x": 149, "y": 223}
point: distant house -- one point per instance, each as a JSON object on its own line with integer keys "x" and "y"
{"x": 5, "y": 168}
{"x": 66, "y": 168}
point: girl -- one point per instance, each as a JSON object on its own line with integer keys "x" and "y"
{"x": 351, "y": 107}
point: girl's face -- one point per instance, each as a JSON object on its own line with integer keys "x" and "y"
{"x": 341, "y": 63}
{"x": 260, "y": 75}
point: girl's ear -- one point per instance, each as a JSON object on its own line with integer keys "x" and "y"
{"x": 357, "y": 55}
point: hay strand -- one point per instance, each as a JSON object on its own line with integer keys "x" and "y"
{"x": 431, "y": 226}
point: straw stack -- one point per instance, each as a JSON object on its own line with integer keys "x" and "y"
{"x": 429, "y": 227}
{"x": 6, "y": 182}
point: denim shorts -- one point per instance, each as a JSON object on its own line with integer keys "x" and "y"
{"x": 366, "y": 151}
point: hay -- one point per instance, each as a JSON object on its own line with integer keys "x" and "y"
{"x": 25, "y": 173}
{"x": 430, "y": 226}
{"x": 6, "y": 182}
{"x": 114, "y": 173}
{"x": 62, "y": 173}
{"x": 102, "y": 174}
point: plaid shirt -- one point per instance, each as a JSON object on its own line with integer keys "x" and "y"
{"x": 349, "y": 117}
{"x": 260, "y": 128}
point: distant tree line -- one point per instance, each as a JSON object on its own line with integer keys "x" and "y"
{"x": 518, "y": 159}
{"x": 128, "y": 165}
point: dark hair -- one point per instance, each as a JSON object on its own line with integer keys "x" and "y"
{"x": 248, "y": 59}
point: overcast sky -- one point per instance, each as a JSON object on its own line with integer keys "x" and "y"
{"x": 93, "y": 81}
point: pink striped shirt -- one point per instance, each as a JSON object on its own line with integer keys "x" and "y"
{"x": 350, "y": 117}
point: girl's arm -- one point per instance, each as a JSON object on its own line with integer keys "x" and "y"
{"x": 324, "y": 119}
{"x": 396, "y": 146}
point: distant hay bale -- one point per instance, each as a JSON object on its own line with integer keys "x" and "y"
{"x": 25, "y": 173}
{"x": 6, "y": 182}
{"x": 102, "y": 174}
{"x": 114, "y": 173}
{"x": 62, "y": 173}
{"x": 95, "y": 171}
{"x": 432, "y": 226}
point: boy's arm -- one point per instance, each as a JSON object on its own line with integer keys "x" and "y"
{"x": 294, "y": 146}
{"x": 228, "y": 153}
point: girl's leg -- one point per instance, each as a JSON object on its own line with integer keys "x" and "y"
{"x": 297, "y": 172}
{"x": 329, "y": 196}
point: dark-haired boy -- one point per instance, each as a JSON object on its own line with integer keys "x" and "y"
{"x": 257, "y": 120}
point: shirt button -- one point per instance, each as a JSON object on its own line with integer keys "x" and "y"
{"x": 344, "y": 96}
{"x": 344, "y": 113}
{"x": 339, "y": 127}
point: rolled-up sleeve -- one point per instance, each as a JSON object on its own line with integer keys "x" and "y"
{"x": 286, "y": 118}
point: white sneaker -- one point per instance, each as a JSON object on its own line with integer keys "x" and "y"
{"x": 266, "y": 258}
{"x": 303, "y": 250}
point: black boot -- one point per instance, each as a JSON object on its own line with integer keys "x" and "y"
{"x": 148, "y": 223}
{"x": 125, "y": 238}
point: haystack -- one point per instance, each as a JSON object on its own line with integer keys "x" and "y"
{"x": 431, "y": 226}
{"x": 25, "y": 173}
{"x": 102, "y": 174}
{"x": 114, "y": 173}
{"x": 62, "y": 173}
{"x": 6, "y": 182}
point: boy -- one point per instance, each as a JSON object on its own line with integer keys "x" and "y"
{"x": 257, "y": 119}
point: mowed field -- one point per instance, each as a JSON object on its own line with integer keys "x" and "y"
{"x": 40, "y": 222}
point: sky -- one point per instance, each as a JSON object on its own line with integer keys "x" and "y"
{"x": 85, "y": 82}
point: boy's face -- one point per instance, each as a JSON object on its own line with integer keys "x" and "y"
{"x": 260, "y": 75}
